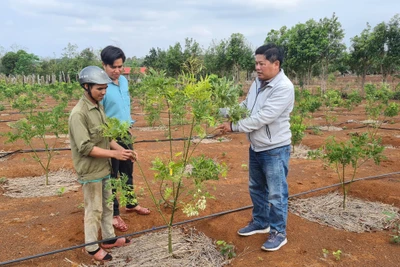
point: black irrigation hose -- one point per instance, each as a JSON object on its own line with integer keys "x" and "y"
{"x": 390, "y": 129}
{"x": 65, "y": 149}
{"x": 188, "y": 221}
{"x": 127, "y": 235}
{"x": 31, "y": 150}
{"x": 10, "y": 153}
{"x": 347, "y": 182}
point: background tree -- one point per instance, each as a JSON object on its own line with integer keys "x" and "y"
{"x": 47, "y": 66}
{"x": 281, "y": 38}
{"x": 341, "y": 64}
{"x": 362, "y": 54}
{"x": 193, "y": 57}
{"x": 229, "y": 57}
{"x": 156, "y": 59}
{"x": 331, "y": 46}
{"x": 303, "y": 51}
{"x": 26, "y": 63}
{"x": 239, "y": 55}
{"x": 174, "y": 60}
{"x": 134, "y": 62}
{"x": 393, "y": 44}
{"x": 9, "y": 61}
{"x": 192, "y": 49}
{"x": 387, "y": 40}
{"x": 20, "y": 62}
{"x": 215, "y": 58}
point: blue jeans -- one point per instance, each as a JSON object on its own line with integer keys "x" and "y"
{"x": 268, "y": 187}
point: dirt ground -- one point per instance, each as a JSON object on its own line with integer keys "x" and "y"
{"x": 36, "y": 225}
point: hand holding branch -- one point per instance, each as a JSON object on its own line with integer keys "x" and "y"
{"x": 225, "y": 127}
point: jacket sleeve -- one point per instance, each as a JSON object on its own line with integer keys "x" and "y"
{"x": 80, "y": 133}
{"x": 280, "y": 99}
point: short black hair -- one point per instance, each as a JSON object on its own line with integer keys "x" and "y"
{"x": 272, "y": 52}
{"x": 111, "y": 53}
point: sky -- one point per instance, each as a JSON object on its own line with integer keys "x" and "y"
{"x": 45, "y": 27}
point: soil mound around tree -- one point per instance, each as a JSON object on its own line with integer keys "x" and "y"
{"x": 60, "y": 182}
{"x": 359, "y": 215}
{"x": 190, "y": 248}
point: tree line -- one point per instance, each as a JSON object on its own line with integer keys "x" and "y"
{"x": 312, "y": 49}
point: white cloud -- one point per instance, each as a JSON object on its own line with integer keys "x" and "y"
{"x": 35, "y": 7}
{"x": 80, "y": 21}
{"x": 92, "y": 28}
{"x": 140, "y": 25}
{"x": 200, "y": 31}
{"x": 264, "y": 4}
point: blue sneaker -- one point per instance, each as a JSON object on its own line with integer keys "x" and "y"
{"x": 275, "y": 241}
{"x": 252, "y": 229}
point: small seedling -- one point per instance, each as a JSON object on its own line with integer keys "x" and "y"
{"x": 227, "y": 250}
{"x": 141, "y": 192}
{"x": 396, "y": 233}
{"x": 394, "y": 226}
{"x": 325, "y": 252}
{"x": 81, "y": 206}
{"x": 3, "y": 180}
{"x": 337, "y": 254}
{"x": 60, "y": 191}
{"x": 316, "y": 130}
{"x": 245, "y": 167}
{"x": 224, "y": 154}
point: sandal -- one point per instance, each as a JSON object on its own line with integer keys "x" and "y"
{"x": 139, "y": 210}
{"x": 99, "y": 255}
{"x": 119, "y": 242}
{"x": 119, "y": 224}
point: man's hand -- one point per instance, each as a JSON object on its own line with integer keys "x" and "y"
{"x": 225, "y": 127}
{"x": 134, "y": 156}
{"x": 124, "y": 154}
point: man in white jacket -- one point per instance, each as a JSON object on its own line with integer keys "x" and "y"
{"x": 270, "y": 101}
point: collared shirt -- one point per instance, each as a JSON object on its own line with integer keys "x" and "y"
{"x": 85, "y": 132}
{"x": 117, "y": 102}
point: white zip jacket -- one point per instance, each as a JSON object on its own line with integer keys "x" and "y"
{"x": 268, "y": 125}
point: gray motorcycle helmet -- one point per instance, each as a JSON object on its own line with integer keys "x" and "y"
{"x": 93, "y": 75}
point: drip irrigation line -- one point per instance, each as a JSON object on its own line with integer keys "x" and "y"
{"x": 174, "y": 139}
{"x": 358, "y": 127}
{"x": 126, "y": 235}
{"x": 36, "y": 150}
{"x": 31, "y": 150}
{"x": 27, "y": 112}
{"x": 390, "y": 129}
{"x": 347, "y": 182}
{"x": 140, "y": 141}
{"x": 10, "y": 153}
{"x": 187, "y": 221}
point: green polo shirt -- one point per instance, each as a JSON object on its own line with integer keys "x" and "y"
{"x": 84, "y": 127}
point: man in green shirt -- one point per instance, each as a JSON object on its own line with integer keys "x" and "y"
{"x": 91, "y": 154}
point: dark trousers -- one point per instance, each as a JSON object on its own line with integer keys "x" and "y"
{"x": 122, "y": 167}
